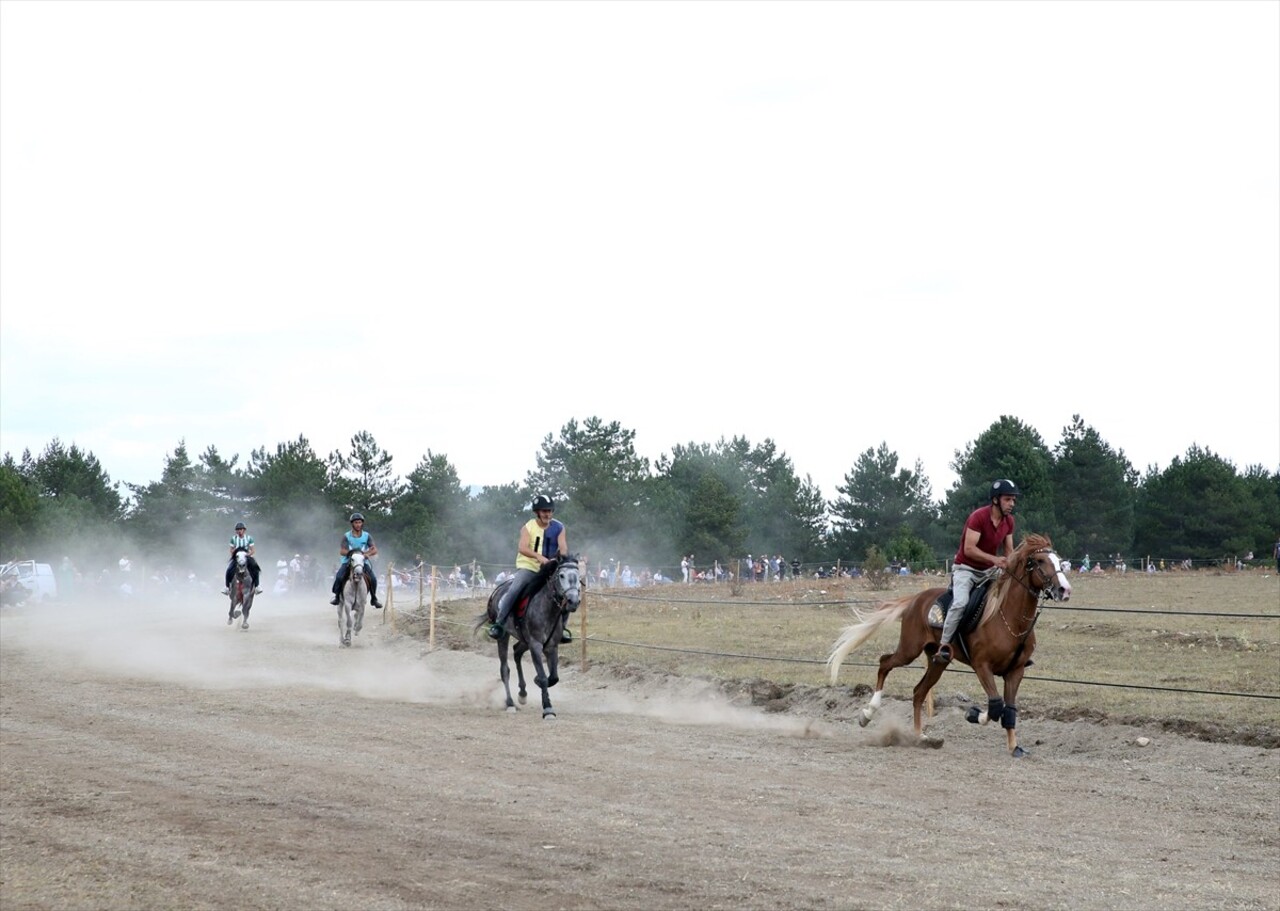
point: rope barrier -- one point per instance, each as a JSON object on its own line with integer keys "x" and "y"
{"x": 866, "y": 664}
{"x": 1165, "y": 613}
{"x": 853, "y": 601}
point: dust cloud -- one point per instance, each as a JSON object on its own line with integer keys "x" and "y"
{"x": 290, "y": 644}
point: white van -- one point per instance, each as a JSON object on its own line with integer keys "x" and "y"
{"x": 27, "y": 580}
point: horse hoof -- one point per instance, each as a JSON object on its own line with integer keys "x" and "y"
{"x": 553, "y": 680}
{"x": 523, "y": 699}
{"x": 235, "y": 613}
{"x": 230, "y": 620}
{"x": 511, "y": 709}
{"x": 930, "y": 743}
{"x": 864, "y": 717}
{"x": 244, "y": 624}
{"x": 974, "y": 715}
{"x": 1019, "y": 753}
{"x": 548, "y": 716}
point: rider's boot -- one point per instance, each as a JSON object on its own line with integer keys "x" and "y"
{"x": 373, "y": 592}
{"x": 497, "y": 627}
{"x": 943, "y": 654}
{"x": 227, "y": 590}
{"x": 505, "y": 604}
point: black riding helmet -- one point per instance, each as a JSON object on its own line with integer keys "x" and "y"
{"x": 542, "y": 501}
{"x": 239, "y": 526}
{"x": 1004, "y": 488}
{"x": 356, "y": 517}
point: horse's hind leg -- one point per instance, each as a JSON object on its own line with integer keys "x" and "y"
{"x": 524, "y": 691}
{"x": 922, "y": 690}
{"x": 505, "y": 673}
{"x": 901, "y": 658}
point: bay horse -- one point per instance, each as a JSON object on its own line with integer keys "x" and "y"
{"x": 352, "y": 600}
{"x": 241, "y": 591}
{"x": 536, "y": 624}
{"x": 1000, "y": 645}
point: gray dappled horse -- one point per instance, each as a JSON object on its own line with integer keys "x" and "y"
{"x": 353, "y": 599}
{"x": 536, "y": 625}
{"x": 241, "y": 591}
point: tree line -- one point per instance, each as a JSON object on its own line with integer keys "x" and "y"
{"x": 716, "y": 501}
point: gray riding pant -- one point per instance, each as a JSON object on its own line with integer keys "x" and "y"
{"x": 963, "y": 579}
{"x": 508, "y": 599}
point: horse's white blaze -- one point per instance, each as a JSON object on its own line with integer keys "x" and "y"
{"x": 1064, "y": 587}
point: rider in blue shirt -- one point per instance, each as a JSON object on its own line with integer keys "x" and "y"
{"x": 356, "y": 539}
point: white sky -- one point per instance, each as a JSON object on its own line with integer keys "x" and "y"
{"x": 460, "y": 225}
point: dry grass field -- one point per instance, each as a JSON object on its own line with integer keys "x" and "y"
{"x": 1133, "y": 648}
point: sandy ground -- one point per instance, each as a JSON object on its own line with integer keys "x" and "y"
{"x": 155, "y": 759}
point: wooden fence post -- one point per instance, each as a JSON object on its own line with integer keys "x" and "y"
{"x": 431, "y": 637}
{"x": 389, "y": 609}
{"x": 582, "y": 622}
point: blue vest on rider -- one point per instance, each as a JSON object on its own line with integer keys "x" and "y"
{"x": 356, "y": 542}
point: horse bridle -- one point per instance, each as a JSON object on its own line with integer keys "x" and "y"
{"x": 1032, "y": 566}
{"x": 560, "y": 596}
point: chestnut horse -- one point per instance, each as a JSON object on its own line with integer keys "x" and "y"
{"x": 1001, "y": 644}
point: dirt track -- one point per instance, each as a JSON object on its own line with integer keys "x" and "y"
{"x": 158, "y": 759}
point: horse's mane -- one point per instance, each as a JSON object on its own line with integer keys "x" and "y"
{"x": 1030, "y": 544}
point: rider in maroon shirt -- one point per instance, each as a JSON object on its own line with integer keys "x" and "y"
{"x": 988, "y": 530}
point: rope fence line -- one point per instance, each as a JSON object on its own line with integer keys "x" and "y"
{"x": 855, "y": 601}
{"x": 709, "y": 653}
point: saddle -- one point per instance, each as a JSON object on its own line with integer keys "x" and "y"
{"x": 535, "y": 585}
{"x": 972, "y": 611}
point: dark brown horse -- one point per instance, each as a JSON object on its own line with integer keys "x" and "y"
{"x": 1000, "y": 646}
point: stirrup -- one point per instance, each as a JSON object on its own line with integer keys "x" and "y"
{"x": 943, "y": 655}
{"x": 257, "y": 591}
{"x": 226, "y": 591}
{"x": 565, "y": 636}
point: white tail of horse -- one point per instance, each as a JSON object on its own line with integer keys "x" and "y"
{"x": 860, "y": 632}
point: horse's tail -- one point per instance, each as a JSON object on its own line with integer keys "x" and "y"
{"x": 860, "y": 632}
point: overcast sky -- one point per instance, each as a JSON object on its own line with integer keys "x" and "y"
{"x": 460, "y": 225}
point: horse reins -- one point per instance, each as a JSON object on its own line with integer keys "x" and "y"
{"x": 1032, "y": 567}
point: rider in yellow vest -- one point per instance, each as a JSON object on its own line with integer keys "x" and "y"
{"x": 542, "y": 539}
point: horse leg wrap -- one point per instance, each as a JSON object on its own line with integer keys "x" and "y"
{"x": 995, "y": 708}
{"x": 1009, "y": 720}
